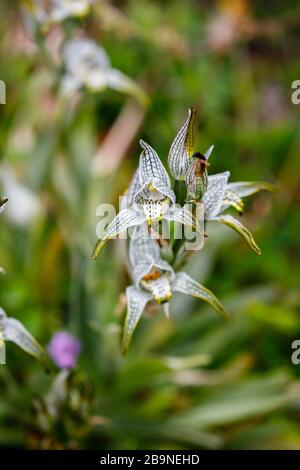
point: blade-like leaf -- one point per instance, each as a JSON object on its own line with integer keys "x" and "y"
{"x": 136, "y": 301}
{"x": 241, "y": 229}
{"x": 182, "y": 148}
{"x": 187, "y": 285}
{"x": 125, "y": 219}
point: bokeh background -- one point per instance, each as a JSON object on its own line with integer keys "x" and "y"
{"x": 195, "y": 381}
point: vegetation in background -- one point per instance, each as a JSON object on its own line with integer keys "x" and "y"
{"x": 193, "y": 381}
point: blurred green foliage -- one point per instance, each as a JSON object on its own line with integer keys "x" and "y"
{"x": 194, "y": 381}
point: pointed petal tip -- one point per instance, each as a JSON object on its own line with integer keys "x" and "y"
{"x": 192, "y": 111}
{"x": 142, "y": 143}
{"x": 209, "y": 151}
{"x": 97, "y": 249}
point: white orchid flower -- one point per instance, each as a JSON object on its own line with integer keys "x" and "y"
{"x": 55, "y": 11}
{"x": 182, "y": 148}
{"x": 152, "y": 200}
{"x": 155, "y": 279}
{"x": 87, "y": 65}
{"x": 3, "y": 201}
{"x": 23, "y": 205}
{"x": 220, "y": 195}
{"x": 12, "y": 329}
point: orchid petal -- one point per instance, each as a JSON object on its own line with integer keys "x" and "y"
{"x": 152, "y": 203}
{"x": 13, "y": 330}
{"x": 144, "y": 255}
{"x": 241, "y": 229}
{"x": 213, "y": 197}
{"x": 209, "y": 152}
{"x": 248, "y": 188}
{"x": 231, "y": 198}
{"x": 125, "y": 219}
{"x": 117, "y": 80}
{"x": 84, "y": 56}
{"x": 3, "y": 201}
{"x": 141, "y": 245}
{"x": 187, "y": 285}
{"x": 136, "y": 301}
{"x": 133, "y": 188}
{"x": 159, "y": 287}
{"x": 182, "y": 148}
{"x": 184, "y": 217}
{"x": 151, "y": 167}
{"x": 164, "y": 189}
{"x": 196, "y": 180}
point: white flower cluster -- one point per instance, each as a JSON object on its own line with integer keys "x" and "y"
{"x": 150, "y": 200}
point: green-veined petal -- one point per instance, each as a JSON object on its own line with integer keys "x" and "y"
{"x": 184, "y": 217}
{"x": 125, "y": 219}
{"x": 136, "y": 301}
{"x": 247, "y": 188}
{"x": 133, "y": 188}
{"x": 241, "y": 229}
{"x": 213, "y": 196}
{"x": 231, "y": 198}
{"x": 13, "y": 330}
{"x": 182, "y": 148}
{"x": 187, "y": 285}
{"x": 150, "y": 166}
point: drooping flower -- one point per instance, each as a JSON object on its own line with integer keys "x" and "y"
{"x": 182, "y": 148}
{"x": 13, "y": 330}
{"x": 64, "y": 350}
{"x": 151, "y": 199}
{"x": 220, "y": 195}
{"x": 155, "y": 279}
{"x": 55, "y": 11}
{"x": 87, "y": 65}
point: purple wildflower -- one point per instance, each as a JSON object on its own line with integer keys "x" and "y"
{"x": 64, "y": 349}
